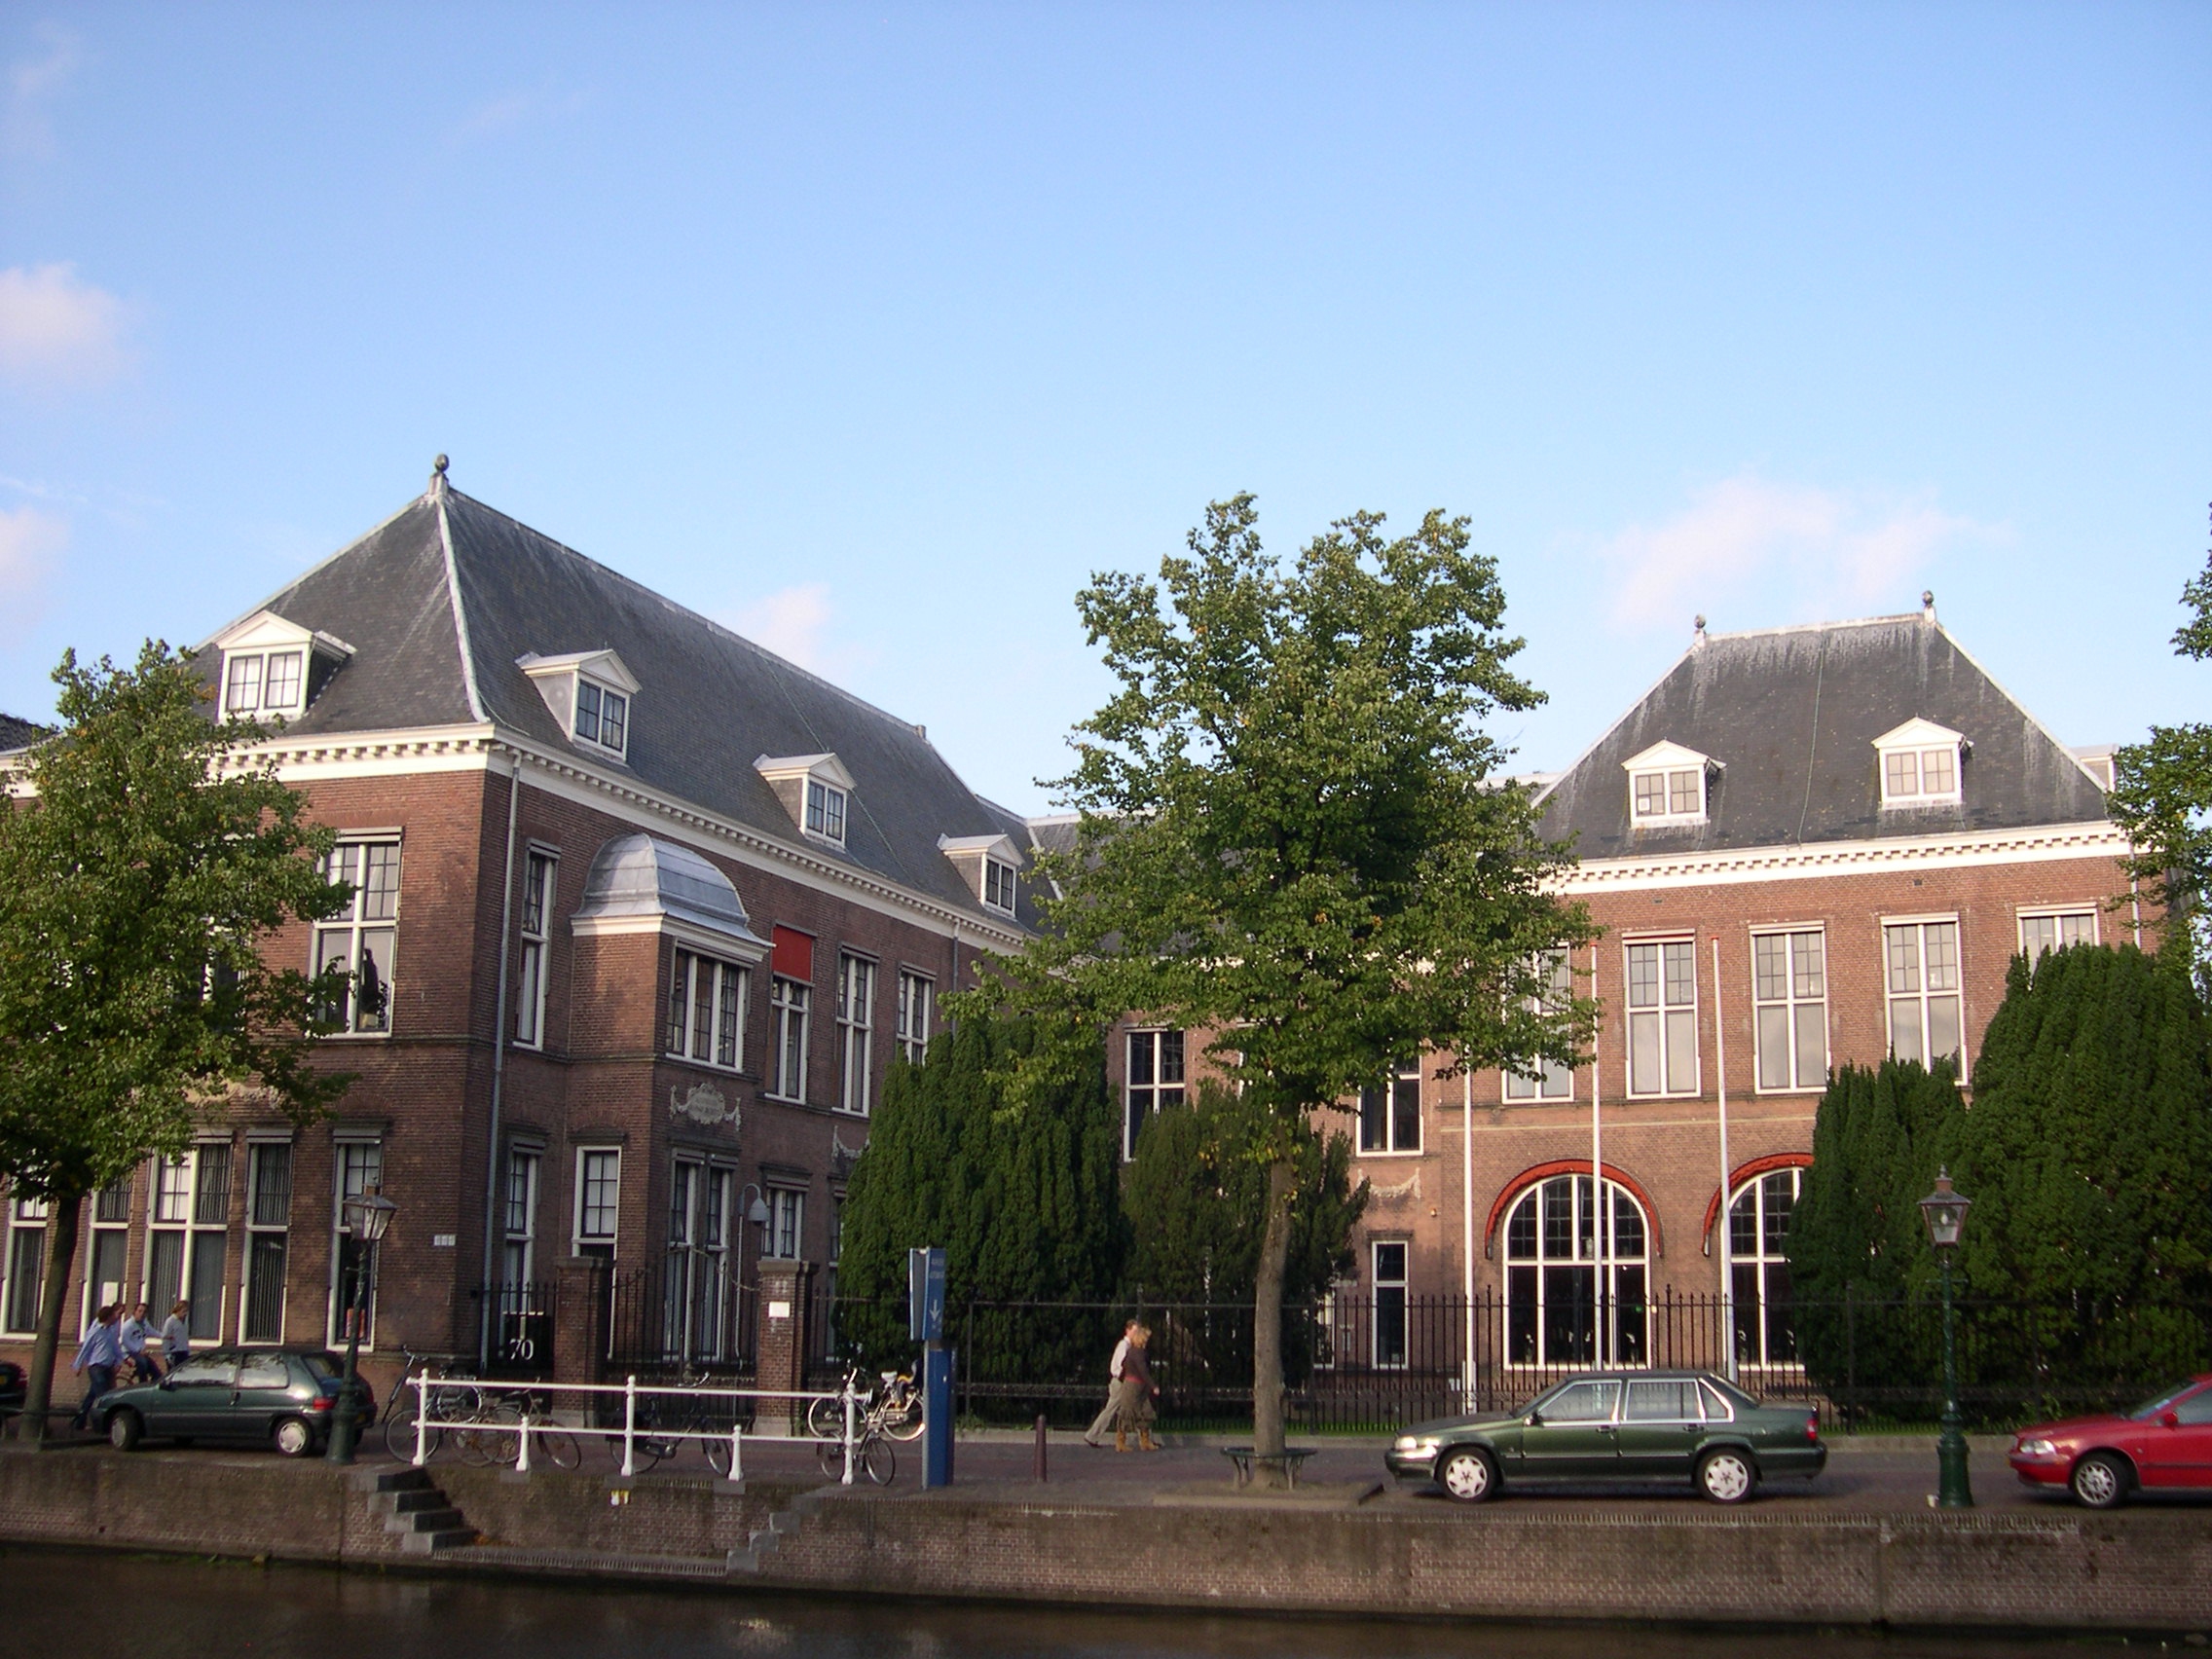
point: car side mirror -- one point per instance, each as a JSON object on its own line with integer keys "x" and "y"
{"x": 1535, "y": 1419}
{"x": 2172, "y": 1419}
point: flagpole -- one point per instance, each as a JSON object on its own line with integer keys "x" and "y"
{"x": 1467, "y": 1231}
{"x": 1598, "y": 1167}
{"x": 1727, "y": 1269}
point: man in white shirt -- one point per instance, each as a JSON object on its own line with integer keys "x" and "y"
{"x": 96, "y": 1357}
{"x": 1095, "y": 1435}
{"x": 176, "y": 1335}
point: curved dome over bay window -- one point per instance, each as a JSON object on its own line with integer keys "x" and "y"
{"x": 644, "y": 884}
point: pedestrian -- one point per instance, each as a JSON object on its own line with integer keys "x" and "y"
{"x": 1095, "y": 1434}
{"x": 97, "y": 1356}
{"x": 176, "y": 1334}
{"x": 134, "y": 1333}
{"x": 1134, "y": 1394}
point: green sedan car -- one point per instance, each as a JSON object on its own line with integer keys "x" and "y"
{"x": 1630, "y": 1425}
{"x": 281, "y": 1397}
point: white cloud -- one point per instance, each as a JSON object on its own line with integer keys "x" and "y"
{"x": 26, "y": 130}
{"x": 1826, "y": 550}
{"x": 57, "y": 330}
{"x": 31, "y": 542}
{"x": 791, "y": 624}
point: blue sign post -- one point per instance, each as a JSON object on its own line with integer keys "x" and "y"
{"x": 925, "y": 1324}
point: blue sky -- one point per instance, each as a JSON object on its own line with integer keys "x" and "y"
{"x": 874, "y": 331}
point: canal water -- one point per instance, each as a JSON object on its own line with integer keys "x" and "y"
{"x": 68, "y": 1605}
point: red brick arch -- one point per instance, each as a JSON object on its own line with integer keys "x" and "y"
{"x": 1527, "y": 1178}
{"x": 1747, "y": 1172}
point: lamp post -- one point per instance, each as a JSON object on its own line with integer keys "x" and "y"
{"x": 367, "y": 1216}
{"x": 1945, "y": 1215}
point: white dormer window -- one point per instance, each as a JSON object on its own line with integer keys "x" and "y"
{"x": 816, "y": 789}
{"x": 1667, "y": 785}
{"x": 273, "y": 668}
{"x": 990, "y": 866}
{"x": 998, "y": 885}
{"x": 590, "y": 693}
{"x": 825, "y": 810}
{"x": 1920, "y": 762}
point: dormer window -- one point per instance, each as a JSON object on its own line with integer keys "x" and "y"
{"x": 1920, "y": 764}
{"x": 816, "y": 789}
{"x": 1666, "y": 785}
{"x": 590, "y": 693}
{"x": 990, "y": 866}
{"x": 274, "y": 668}
{"x": 998, "y": 885}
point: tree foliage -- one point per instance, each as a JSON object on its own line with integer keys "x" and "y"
{"x": 139, "y": 871}
{"x": 1022, "y": 1200}
{"x": 1293, "y": 834}
{"x": 2161, "y": 796}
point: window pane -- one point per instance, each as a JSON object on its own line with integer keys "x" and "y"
{"x": 1559, "y": 1081}
{"x": 1141, "y": 1058}
{"x": 1900, "y": 774}
{"x": 380, "y": 883}
{"x": 525, "y": 992}
{"x": 613, "y": 719}
{"x": 272, "y": 1186}
{"x": 1809, "y": 967}
{"x": 587, "y": 711}
{"x": 1644, "y": 1053}
{"x": 1650, "y": 795}
{"x": 1902, "y": 945}
{"x": 211, "y": 1197}
{"x": 2038, "y": 935}
{"x": 1811, "y": 1045}
{"x": 1682, "y": 1052}
{"x": 1943, "y": 1028}
{"x": 1518, "y": 1088}
{"x": 1943, "y": 951}
{"x": 1778, "y": 1195}
{"x": 1643, "y": 975}
{"x": 282, "y": 687}
{"x": 702, "y": 1008}
{"x": 1743, "y": 1223}
{"x": 1583, "y": 1402}
{"x": 165, "y": 1269}
{"x": 732, "y": 1010}
{"x": 2076, "y": 929}
{"x": 1171, "y": 1056}
{"x": 372, "y": 982}
{"x": 1937, "y": 772}
{"x": 208, "y": 1260}
{"x": 172, "y": 1188}
{"x": 1770, "y": 960}
{"x": 244, "y": 694}
{"x": 1628, "y": 1225}
{"x": 1904, "y": 1029}
{"x": 1774, "y": 1047}
{"x": 265, "y": 1287}
{"x": 1682, "y": 973}
{"x": 1559, "y": 1219}
{"x": 1373, "y": 1129}
{"x": 678, "y": 1001}
{"x": 1405, "y": 1124}
{"x": 1520, "y": 1230}
{"x": 539, "y": 874}
{"x": 1683, "y": 792}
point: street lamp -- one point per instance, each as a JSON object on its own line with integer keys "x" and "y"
{"x": 1945, "y": 1215}
{"x": 367, "y": 1216}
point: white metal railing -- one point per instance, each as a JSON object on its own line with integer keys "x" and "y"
{"x": 426, "y": 1382}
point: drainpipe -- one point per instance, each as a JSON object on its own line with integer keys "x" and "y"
{"x": 1597, "y": 1174}
{"x": 499, "y": 1077}
{"x": 1727, "y": 1269}
{"x": 1468, "y": 1230}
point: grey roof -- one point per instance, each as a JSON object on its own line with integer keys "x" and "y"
{"x": 711, "y": 700}
{"x": 18, "y": 733}
{"x": 1791, "y": 714}
{"x": 643, "y": 875}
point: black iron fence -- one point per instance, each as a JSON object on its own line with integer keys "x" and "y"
{"x": 687, "y": 1311}
{"x": 1382, "y": 1361}
{"x": 523, "y": 1319}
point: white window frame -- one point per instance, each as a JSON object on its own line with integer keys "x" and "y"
{"x": 1757, "y": 1265}
{"x": 916, "y": 992}
{"x": 1398, "y": 1282}
{"x": 729, "y": 987}
{"x": 594, "y": 710}
{"x": 116, "y": 1228}
{"x": 1924, "y": 994}
{"x": 1909, "y": 748}
{"x": 342, "y": 1187}
{"x": 580, "y": 1241}
{"x": 1792, "y": 1000}
{"x": 519, "y": 1191}
{"x": 1665, "y": 1017}
{"x": 252, "y": 696}
{"x": 856, "y": 1034}
{"x": 540, "y": 872}
{"x": 1140, "y": 1099}
{"x": 27, "y": 1218}
{"x": 790, "y": 1003}
{"x": 784, "y": 1237}
{"x": 1386, "y": 1100}
{"x": 1552, "y": 1082}
{"x": 194, "y": 1232}
{"x": 998, "y": 886}
{"x": 2058, "y": 915}
{"x": 257, "y": 1226}
{"x": 372, "y": 911}
{"x": 1672, "y": 770}
{"x": 827, "y": 811}
{"x": 1581, "y": 1254}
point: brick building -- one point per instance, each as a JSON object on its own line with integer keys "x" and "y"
{"x": 1807, "y": 846}
{"x": 642, "y": 915}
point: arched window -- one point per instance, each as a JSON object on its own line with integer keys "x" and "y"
{"x": 1551, "y": 1275}
{"x": 1758, "y": 1228}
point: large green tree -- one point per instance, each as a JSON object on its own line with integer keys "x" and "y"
{"x": 2162, "y": 798}
{"x": 142, "y": 863}
{"x": 1023, "y": 1201}
{"x": 1295, "y": 839}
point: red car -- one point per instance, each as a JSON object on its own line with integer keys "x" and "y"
{"x": 2163, "y": 1446}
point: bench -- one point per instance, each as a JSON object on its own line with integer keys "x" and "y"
{"x": 1246, "y": 1460}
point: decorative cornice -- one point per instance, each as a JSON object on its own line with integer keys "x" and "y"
{"x": 2037, "y": 843}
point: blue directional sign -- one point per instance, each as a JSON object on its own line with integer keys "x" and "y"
{"x": 925, "y": 1295}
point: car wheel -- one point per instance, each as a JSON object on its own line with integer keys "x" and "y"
{"x": 293, "y": 1438}
{"x": 1467, "y": 1476}
{"x": 1727, "y": 1476}
{"x": 2100, "y": 1480}
{"x": 124, "y": 1429}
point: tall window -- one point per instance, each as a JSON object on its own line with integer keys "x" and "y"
{"x": 268, "y": 1238}
{"x": 359, "y": 1167}
{"x": 788, "y": 1001}
{"x": 998, "y": 885}
{"x": 1389, "y": 1261}
{"x": 1155, "y": 1080}
{"x": 26, "y": 1261}
{"x": 1551, "y": 1081}
{"x": 1923, "y": 967}
{"x": 598, "y": 1193}
{"x": 1759, "y": 1234}
{"x": 110, "y": 1242}
{"x": 603, "y": 715}
{"x": 914, "y": 996}
{"x": 530, "y": 982}
{"x": 188, "y": 1236}
{"x": 1550, "y": 1275}
{"x": 358, "y": 939}
{"x": 1789, "y": 999}
{"x": 1662, "y": 1018}
{"x": 787, "y": 1217}
{"x": 697, "y": 1281}
{"x": 856, "y": 1033}
{"x": 706, "y": 1010}
{"x": 519, "y": 1258}
{"x": 826, "y": 809}
{"x": 1389, "y": 1116}
{"x": 2056, "y": 930}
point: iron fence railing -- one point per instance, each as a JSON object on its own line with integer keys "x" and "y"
{"x": 523, "y": 1319}
{"x": 686, "y": 1311}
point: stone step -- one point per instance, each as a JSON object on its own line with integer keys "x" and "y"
{"x": 443, "y": 1520}
{"x": 418, "y": 1499}
{"x": 439, "y": 1541}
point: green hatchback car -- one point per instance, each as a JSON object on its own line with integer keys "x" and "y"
{"x": 1630, "y": 1426}
{"x": 281, "y": 1397}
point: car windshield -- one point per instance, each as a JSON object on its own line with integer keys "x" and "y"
{"x": 2164, "y": 1403}
{"x": 1734, "y": 1395}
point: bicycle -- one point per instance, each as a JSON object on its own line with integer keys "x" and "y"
{"x": 492, "y": 1436}
{"x": 872, "y": 1456}
{"x": 661, "y": 1418}
{"x": 454, "y": 1398}
{"x": 894, "y": 1408}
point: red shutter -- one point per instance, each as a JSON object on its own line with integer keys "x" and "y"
{"x": 795, "y": 955}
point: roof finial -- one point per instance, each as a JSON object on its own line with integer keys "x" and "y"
{"x": 438, "y": 476}
{"x": 1697, "y": 634}
{"x": 1927, "y": 605}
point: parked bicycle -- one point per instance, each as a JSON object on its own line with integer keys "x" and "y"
{"x": 662, "y": 1418}
{"x": 893, "y": 1408}
{"x": 872, "y": 1456}
{"x": 481, "y": 1420}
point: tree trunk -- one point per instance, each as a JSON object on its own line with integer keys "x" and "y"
{"x": 54, "y": 1296}
{"x": 1267, "y": 1323}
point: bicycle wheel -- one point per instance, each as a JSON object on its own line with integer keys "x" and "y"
{"x": 830, "y": 1455}
{"x": 904, "y": 1422}
{"x": 825, "y": 1419}
{"x": 877, "y": 1460}
{"x": 399, "y": 1438}
{"x": 557, "y": 1446}
{"x": 717, "y": 1453}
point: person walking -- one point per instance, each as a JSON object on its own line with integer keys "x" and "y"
{"x": 96, "y": 1357}
{"x": 1134, "y": 1394}
{"x": 176, "y": 1335}
{"x": 134, "y": 1333}
{"x": 1095, "y": 1434}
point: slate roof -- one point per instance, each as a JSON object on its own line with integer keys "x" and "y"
{"x": 436, "y": 638}
{"x": 18, "y": 733}
{"x": 1791, "y": 714}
